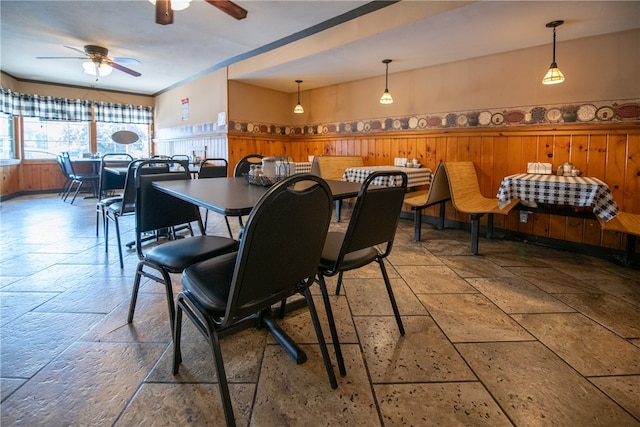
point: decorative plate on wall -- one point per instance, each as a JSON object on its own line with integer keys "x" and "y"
{"x": 434, "y": 121}
{"x": 497, "y": 119}
{"x": 413, "y": 122}
{"x": 554, "y": 115}
{"x": 628, "y": 111}
{"x": 605, "y": 113}
{"x": 537, "y": 114}
{"x": 422, "y": 123}
{"x": 484, "y": 118}
{"x": 514, "y": 116}
{"x": 461, "y": 120}
{"x": 586, "y": 112}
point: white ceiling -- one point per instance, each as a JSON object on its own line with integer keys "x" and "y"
{"x": 413, "y": 34}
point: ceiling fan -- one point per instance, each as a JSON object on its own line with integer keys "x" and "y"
{"x": 164, "y": 9}
{"x": 98, "y": 62}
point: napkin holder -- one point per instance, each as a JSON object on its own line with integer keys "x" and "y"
{"x": 539, "y": 168}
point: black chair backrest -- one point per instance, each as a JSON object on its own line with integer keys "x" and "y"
{"x": 375, "y": 215}
{"x": 154, "y": 209}
{"x": 281, "y": 245}
{"x": 213, "y": 168}
{"x": 244, "y": 165}
{"x": 67, "y": 163}
{"x": 110, "y": 181}
{"x": 129, "y": 193}
{"x": 63, "y": 168}
{"x": 181, "y": 157}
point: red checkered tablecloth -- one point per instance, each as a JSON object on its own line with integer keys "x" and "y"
{"x": 415, "y": 176}
{"x": 559, "y": 190}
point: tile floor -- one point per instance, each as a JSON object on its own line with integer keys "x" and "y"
{"x": 520, "y": 335}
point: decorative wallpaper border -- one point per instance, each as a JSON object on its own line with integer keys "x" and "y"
{"x": 590, "y": 112}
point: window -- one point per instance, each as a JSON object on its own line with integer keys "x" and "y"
{"x": 138, "y": 150}
{"x": 6, "y": 137}
{"x": 44, "y": 139}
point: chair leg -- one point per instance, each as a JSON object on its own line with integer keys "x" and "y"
{"x": 77, "y": 191}
{"x": 417, "y": 225}
{"x": 392, "y": 299}
{"x": 339, "y": 284}
{"x": 166, "y": 280}
{"x": 475, "y": 232}
{"x": 490, "y": 226}
{"x": 226, "y": 219}
{"x": 332, "y": 324}
{"x": 222, "y": 376}
{"x": 441, "y": 217}
{"x": 134, "y": 294}
{"x": 66, "y": 194}
{"x": 321, "y": 340}
{"x": 119, "y": 243}
{"x": 177, "y": 333}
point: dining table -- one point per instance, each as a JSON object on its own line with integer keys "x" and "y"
{"x": 532, "y": 189}
{"x": 415, "y": 176}
{"x": 236, "y": 197}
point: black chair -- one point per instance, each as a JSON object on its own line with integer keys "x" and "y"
{"x": 214, "y": 168}
{"x": 66, "y": 175}
{"x": 78, "y": 178}
{"x": 373, "y": 223}
{"x": 109, "y": 183}
{"x": 278, "y": 256}
{"x": 244, "y": 164}
{"x": 181, "y": 157}
{"x": 156, "y": 210}
{"x": 127, "y": 205}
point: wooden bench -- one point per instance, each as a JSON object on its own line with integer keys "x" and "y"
{"x": 333, "y": 167}
{"x": 628, "y": 224}
{"x": 438, "y": 193}
{"x": 467, "y": 198}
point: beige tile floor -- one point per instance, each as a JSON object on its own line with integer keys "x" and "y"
{"x": 520, "y": 335}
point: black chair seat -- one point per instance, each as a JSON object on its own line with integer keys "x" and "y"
{"x": 209, "y": 282}
{"x": 179, "y": 254}
{"x": 351, "y": 261}
{"x": 117, "y": 207}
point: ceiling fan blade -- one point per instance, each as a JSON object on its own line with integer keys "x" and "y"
{"x": 125, "y": 69}
{"x": 77, "y": 50}
{"x": 126, "y": 60}
{"x": 164, "y": 13}
{"x": 60, "y": 57}
{"x": 230, "y": 8}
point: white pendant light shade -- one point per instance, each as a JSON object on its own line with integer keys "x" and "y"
{"x": 386, "y": 96}
{"x": 97, "y": 69}
{"x": 554, "y": 75}
{"x": 298, "y": 109}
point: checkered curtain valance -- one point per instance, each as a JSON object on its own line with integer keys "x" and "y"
{"x": 51, "y": 108}
{"x": 121, "y": 113}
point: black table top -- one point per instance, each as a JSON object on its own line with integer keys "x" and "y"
{"x": 235, "y": 196}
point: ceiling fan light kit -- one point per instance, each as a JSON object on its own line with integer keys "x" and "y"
{"x": 96, "y": 68}
{"x": 554, "y": 75}
{"x": 97, "y": 61}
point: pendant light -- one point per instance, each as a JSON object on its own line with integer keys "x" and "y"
{"x": 298, "y": 109}
{"x": 386, "y": 96}
{"x": 554, "y": 75}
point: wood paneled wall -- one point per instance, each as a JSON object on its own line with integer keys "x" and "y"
{"x": 611, "y": 153}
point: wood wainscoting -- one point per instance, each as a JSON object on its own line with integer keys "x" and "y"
{"x": 609, "y": 152}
